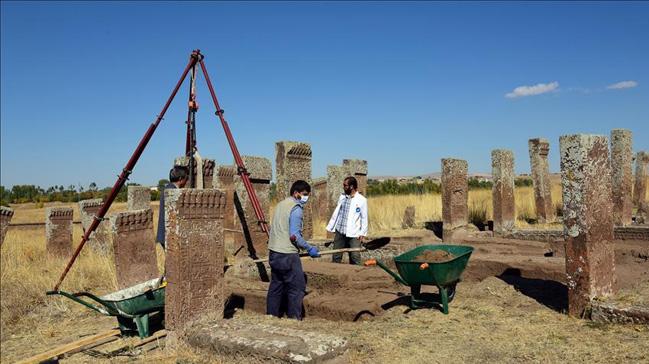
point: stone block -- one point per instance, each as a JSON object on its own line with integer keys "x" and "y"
{"x": 622, "y": 175}
{"x": 100, "y": 238}
{"x": 265, "y": 341}
{"x": 58, "y": 231}
{"x": 134, "y": 247}
{"x": 539, "y": 149}
{"x": 641, "y": 176}
{"x": 139, "y": 198}
{"x": 195, "y": 254}
{"x": 292, "y": 163}
{"x": 253, "y": 237}
{"x": 358, "y": 169}
{"x": 408, "y": 217}
{"x": 209, "y": 165}
{"x": 455, "y": 196}
{"x": 6, "y": 214}
{"x": 588, "y": 219}
{"x": 335, "y": 177}
{"x": 504, "y": 206}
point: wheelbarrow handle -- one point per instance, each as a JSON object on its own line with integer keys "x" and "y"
{"x": 106, "y": 310}
{"x": 394, "y": 275}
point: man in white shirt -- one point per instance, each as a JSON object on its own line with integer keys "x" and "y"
{"x": 349, "y": 221}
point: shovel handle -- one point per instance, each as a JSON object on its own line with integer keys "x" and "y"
{"x": 326, "y": 252}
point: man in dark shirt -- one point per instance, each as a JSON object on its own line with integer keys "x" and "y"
{"x": 179, "y": 175}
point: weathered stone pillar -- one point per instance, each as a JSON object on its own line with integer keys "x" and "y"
{"x": 455, "y": 196}
{"x": 139, "y": 198}
{"x": 408, "y": 217}
{"x": 6, "y": 214}
{"x": 335, "y": 177}
{"x": 622, "y": 175}
{"x": 208, "y": 173}
{"x": 292, "y": 163}
{"x": 587, "y": 218}
{"x": 225, "y": 183}
{"x": 504, "y": 206}
{"x": 358, "y": 169}
{"x": 100, "y": 238}
{"x": 319, "y": 203}
{"x": 539, "y": 149}
{"x": 134, "y": 247}
{"x": 195, "y": 254}
{"x": 261, "y": 173}
{"x": 641, "y": 169}
{"x": 58, "y": 231}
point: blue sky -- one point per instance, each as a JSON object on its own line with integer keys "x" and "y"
{"x": 399, "y": 84}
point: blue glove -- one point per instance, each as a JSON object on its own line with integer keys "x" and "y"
{"x": 313, "y": 252}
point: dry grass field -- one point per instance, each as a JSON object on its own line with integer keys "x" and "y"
{"x": 498, "y": 325}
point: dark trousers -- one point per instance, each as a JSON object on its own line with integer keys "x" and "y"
{"x": 342, "y": 242}
{"x": 287, "y": 285}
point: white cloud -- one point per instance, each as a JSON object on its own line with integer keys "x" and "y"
{"x": 622, "y": 84}
{"x": 539, "y": 88}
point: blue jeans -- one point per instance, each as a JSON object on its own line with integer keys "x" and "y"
{"x": 287, "y": 285}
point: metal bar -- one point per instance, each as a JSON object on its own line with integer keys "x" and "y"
{"x": 190, "y": 144}
{"x": 241, "y": 169}
{"x": 127, "y": 170}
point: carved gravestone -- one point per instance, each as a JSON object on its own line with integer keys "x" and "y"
{"x": 134, "y": 247}
{"x": 195, "y": 254}
{"x": 58, "y": 231}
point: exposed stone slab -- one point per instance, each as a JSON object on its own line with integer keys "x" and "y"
{"x": 504, "y": 206}
{"x": 134, "y": 247}
{"x": 195, "y": 254}
{"x": 455, "y": 197}
{"x": 588, "y": 219}
{"x": 622, "y": 175}
{"x": 6, "y": 214}
{"x": 609, "y": 312}
{"x": 265, "y": 341}
{"x": 58, "y": 231}
{"x": 139, "y": 198}
{"x": 539, "y": 149}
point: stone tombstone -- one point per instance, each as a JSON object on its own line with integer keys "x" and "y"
{"x": 539, "y": 149}
{"x": 588, "y": 219}
{"x": 622, "y": 175}
{"x": 139, "y": 198}
{"x": 408, "y": 217}
{"x": 6, "y": 214}
{"x": 208, "y": 173}
{"x": 195, "y": 255}
{"x": 641, "y": 173}
{"x": 252, "y": 236}
{"x": 100, "y": 238}
{"x": 292, "y": 163}
{"x": 225, "y": 182}
{"x": 504, "y": 206}
{"x": 455, "y": 196}
{"x": 58, "y": 231}
{"x": 134, "y": 247}
{"x": 358, "y": 169}
{"x": 319, "y": 202}
{"x": 335, "y": 177}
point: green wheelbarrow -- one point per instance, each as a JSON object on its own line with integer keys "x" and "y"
{"x": 132, "y": 306}
{"x": 415, "y": 271}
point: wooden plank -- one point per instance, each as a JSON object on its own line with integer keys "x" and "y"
{"x": 63, "y": 349}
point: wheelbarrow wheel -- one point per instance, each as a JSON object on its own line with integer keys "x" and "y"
{"x": 451, "y": 291}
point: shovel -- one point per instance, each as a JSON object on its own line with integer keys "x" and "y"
{"x": 370, "y": 245}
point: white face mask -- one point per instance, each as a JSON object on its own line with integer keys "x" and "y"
{"x": 304, "y": 199}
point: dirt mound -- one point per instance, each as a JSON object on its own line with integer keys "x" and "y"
{"x": 435, "y": 256}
